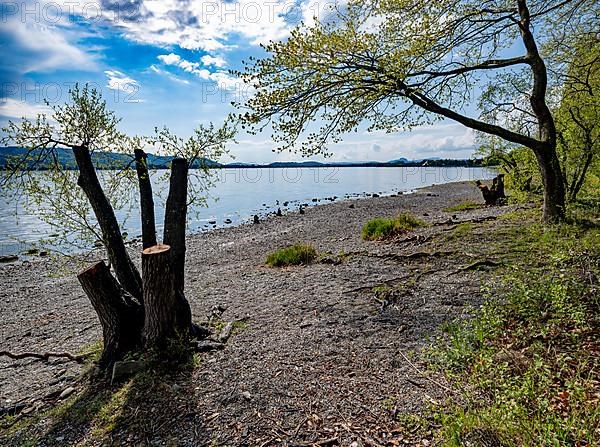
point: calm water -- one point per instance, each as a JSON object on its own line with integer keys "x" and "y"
{"x": 242, "y": 193}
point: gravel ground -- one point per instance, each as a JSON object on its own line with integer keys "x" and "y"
{"x": 321, "y": 361}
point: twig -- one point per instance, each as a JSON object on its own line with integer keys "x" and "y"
{"x": 45, "y": 356}
{"x": 426, "y": 377}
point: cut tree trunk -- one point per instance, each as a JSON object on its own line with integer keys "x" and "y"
{"x": 174, "y": 236}
{"x": 125, "y": 270}
{"x": 160, "y": 301}
{"x": 146, "y": 199}
{"x": 175, "y": 219}
{"x": 120, "y": 315}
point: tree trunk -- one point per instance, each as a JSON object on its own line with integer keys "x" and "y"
{"x": 126, "y": 272}
{"x": 578, "y": 181}
{"x": 159, "y": 296}
{"x": 554, "y": 187}
{"x": 146, "y": 200}
{"x": 175, "y": 219}
{"x": 120, "y": 316}
{"x": 174, "y": 236}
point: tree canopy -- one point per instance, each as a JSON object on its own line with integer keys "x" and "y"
{"x": 396, "y": 64}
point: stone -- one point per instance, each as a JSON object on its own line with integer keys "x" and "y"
{"x": 351, "y": 205}
{"x": 9, "y": 258}
{"x": 66, "y": 392}
{"x": 127, "y": 368}
{"x": 256, "y": 219}
{"x": 227, "y": 221}
{"x": 226, "y": 332}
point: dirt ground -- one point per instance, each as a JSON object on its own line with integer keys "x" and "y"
{"x": 328, "y": 354}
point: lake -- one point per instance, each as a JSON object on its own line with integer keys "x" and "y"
{"x": 239, "y": 194}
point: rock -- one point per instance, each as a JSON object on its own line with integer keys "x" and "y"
{"x": 351, "y": 205}
{"x": 208, "y": 346}
{"x": 32, "y": 251}
{"x": 315, "y": 200}
{"x": 425, "y": 214}
{"x": 301, "y": 210}
{"x": 127, "y": 368}
{"x": 374, "y": 195}
{"x": 256, "y": 219}
{"x": 9, "y": 258}
{"x": 66, "y": 392}
{"x": 43, "y": 254}
{"x": 285, "y": 203}
{"x": 226, "y": 332}
{"x": 227, "y": 221}
{"x": 279, "y": 212}
{"x": 246, "y": 395}
{"x": 212, "y": 222}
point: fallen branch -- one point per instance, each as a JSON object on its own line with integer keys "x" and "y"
{"x": 45, "y": 356}
{"x": 458, "y": 222}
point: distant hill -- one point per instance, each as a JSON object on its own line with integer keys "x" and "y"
{"x": 9, "y": 156}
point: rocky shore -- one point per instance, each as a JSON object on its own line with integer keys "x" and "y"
{"x": 318, "y": 348}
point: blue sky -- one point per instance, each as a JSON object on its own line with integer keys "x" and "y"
{"x": 166, "y": 63}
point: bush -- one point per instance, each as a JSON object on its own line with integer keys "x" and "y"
{"x": 383, "y": 228}
{"x": 298, "y": 254}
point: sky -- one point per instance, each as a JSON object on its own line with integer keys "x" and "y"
{"x": 166, "y": 63}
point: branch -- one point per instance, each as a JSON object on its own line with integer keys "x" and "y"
{"x": 487, "y": 65}
{"x": 46, "y": 356}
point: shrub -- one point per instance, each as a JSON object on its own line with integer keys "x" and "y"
{"x": 383, "y": 228}
{"x": 298, "y": 254}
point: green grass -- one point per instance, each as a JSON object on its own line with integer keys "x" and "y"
{"x": 382, "y": 228}
{"x": 464, "y": 206}
{"x": 298, "y": 254}
{"x": 525, "y": 362}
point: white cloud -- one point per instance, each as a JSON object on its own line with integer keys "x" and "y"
{"x": 122, "y": 83}
{"x": 209, "y": 60}
{"x": 12, "y": 108}
{"x": 220, "y": 77}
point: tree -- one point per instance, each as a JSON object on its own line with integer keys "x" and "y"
{"x": 135, "y": 310}
{"x": 395, "y": 64}
{"x": 578, "y": 115}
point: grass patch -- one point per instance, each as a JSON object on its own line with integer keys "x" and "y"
{"x": 382, "y": 228}
{"x": 298, "y": 254}
{"x": 464, "y": 206}
{"x": 526, "y": 361}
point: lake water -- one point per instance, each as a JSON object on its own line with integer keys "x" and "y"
{"x": 242, "y": 193}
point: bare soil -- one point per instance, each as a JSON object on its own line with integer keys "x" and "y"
{"x": 329, "y": 354}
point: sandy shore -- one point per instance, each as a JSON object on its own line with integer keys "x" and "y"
{"x": 316, "y": 341}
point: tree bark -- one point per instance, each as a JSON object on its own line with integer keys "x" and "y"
{"x": 146, "y": 200}
{"x": 126, "y": 272}
{"x": 554, "y": 187}
{"x": 121, "y": 317}
{"x": 159, "y": 296}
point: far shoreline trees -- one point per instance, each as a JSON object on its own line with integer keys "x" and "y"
{"x": 401, "y": 63}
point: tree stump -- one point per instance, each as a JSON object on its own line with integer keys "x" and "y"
{"x": 160, "y": 301}
{"x": 120, "y": 315}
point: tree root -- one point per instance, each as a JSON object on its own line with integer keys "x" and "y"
{"x": 45, "y": 356}
{"x": 476, "y": 265}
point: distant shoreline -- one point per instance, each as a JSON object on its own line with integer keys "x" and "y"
{"x": 13, "y": 156}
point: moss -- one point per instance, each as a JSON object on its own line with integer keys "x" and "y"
{"x": 298, "y": 254}
{"x": 382, "y": 228}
